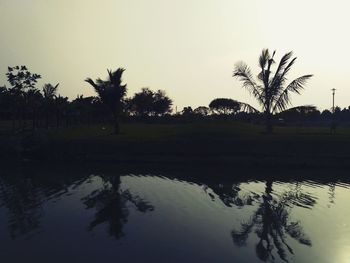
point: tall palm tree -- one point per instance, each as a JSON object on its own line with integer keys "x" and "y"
{"x": 111, "y": 92}
{"x": 61, "y": 106}
{"x": 271, "y": 89}
{"x": 50, "y": 93}
{"x": 34, "y": 100}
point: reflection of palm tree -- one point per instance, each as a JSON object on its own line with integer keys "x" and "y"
{"x": 331, "y": 193}
{"x": 230, "y": 194}
{"x": 272, "y": 224}
{"x": 111, "y": 205}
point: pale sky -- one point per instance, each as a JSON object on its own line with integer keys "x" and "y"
{"x": 186, "y": 47}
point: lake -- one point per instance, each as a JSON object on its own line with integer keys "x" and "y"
{"x": 63, "y": 214}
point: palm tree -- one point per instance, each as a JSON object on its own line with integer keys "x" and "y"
{"x": 61, "y": 106}
{"x": 49, "y": 92}
{"x": 111, "y": 92}
{"x": 270, "y": 89}
{"x": 34, "y": 99}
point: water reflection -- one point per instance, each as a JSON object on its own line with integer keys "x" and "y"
{"x": 24, "y": 204}
{"x": 271, "y": 223}
{"x": 24, "y": 195}
{"x": 110, "y": 204}
{"x": 265, "y": 217}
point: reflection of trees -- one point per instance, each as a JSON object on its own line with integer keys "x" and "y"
{"x": 272, "y": 224}
{"x": 230, "y": 194}
{"x": 331, "y": 193}
{"x": 111, "y": 205}
{"x": 23, "y": 203}
{"x": 23, "y": 198}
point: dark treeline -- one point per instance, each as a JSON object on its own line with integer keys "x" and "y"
{"x": 25, "y": 106}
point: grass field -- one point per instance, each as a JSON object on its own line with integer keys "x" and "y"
{"x": 209, "y": 130}
{"x": 209, "y": 143}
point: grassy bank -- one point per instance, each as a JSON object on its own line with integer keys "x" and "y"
{"x": 218, "y": 143}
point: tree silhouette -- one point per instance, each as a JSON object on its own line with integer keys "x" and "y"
{"x": 61, "y": 108}
{"x": 201, "y": 111}
{"x": 271, "y": 223}
{"x": 300, "y": 113}
{"x": 111, "y": 206}
{"x": 50, "y": 93}
{"x": 5, "y": 103}
{"x": 22, "y": 81}
{"x": 150, "y": 103}
{"x": 270, "y": 89}
{"x": 111, "y": 92}
{"x": 224, "y": 106}
{"x": 162, "y": 103}
{"x": 34, "y": 100}
{"x": 187, "y": 111}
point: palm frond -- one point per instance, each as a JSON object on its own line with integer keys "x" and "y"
{"x": 243, "y": 73}
{"x": 282, "y": 76}
{"x": 264, "y": 58}
{"x": 281, "y": 66}
{"x": 245, "y": 107}
{"x": 50, "y": 91}
{"x": 283, "y": 100}
{"x": 90, "y": 81}
{"x": 277, "y": 82}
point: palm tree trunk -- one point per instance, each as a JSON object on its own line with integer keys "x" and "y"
{"x": 116, "y": 124}
{"x": 269, "y": 126}
{"x": 34, "y": 119}
{"x": 116, "y": 127}
{"x": 13, "y": 120}
{"x": 47, "y": 120}
{"x": 57, "y": 119}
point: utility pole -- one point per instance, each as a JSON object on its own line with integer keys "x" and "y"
{"x": 333, "y": 109}
{"x": 333, "y": 125}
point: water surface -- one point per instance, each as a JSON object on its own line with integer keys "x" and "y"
{"x": 97, "y": 216}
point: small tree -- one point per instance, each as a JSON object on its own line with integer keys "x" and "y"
{"x": 201, "y": 111}
{"x": 111, "y": 92}
{"x": 22, "y": 81}
{"x": 150, "y": 103}
{"x": 224, "y": 106}
{"x": 141, "y": 103}
{"x": 162, "y": 103}
{"x": 187, "y": 111}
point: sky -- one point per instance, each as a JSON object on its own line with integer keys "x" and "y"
{"x": 186, "y": 47}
